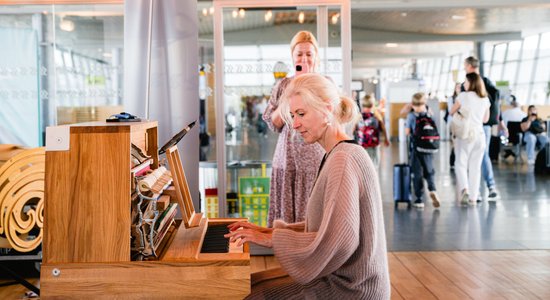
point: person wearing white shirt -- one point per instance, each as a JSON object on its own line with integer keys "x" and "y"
{"x": 514, "y": 114}
{"x": 469, "y": 151}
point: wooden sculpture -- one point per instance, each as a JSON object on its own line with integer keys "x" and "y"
{"x": 21, "y": 197}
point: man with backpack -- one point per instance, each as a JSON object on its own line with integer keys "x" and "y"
{"x": 471, "y": 65}
{"x": 424, "y": 141}
{"x": 367, "y": 131}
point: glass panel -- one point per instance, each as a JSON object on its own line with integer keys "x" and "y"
{"x": 529, "y": 47}
{"x": 251, "y": 69}
{"x": 90, "y": 39}
{"x": 513, "y": 50}
{"x": 510, "y": 72}
{"x": 542, "y": 74}
{"x": 540, "y": 94}
{"x": 525, "y": 71}
{"x": 500, "y": 51}
{"x": 496, "y": 72}
{"x": 521, "y": 93}
{"x": 544, "y": 49}
{"x": 20, "y": 72}
{"x": 67, "y": 66}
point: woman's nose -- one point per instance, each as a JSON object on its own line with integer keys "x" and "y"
{"x": 295, "y": 124}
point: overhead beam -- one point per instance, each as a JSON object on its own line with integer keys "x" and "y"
{"x": 381, "y": 36}
{"x": 428, "y": 4}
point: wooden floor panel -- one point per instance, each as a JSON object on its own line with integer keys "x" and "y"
{"x": 521, "y": 274}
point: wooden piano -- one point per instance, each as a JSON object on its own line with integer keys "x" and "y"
{"x": 86, "y": 247}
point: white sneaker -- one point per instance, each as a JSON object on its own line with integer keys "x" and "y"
{"x": 464, "y": 199}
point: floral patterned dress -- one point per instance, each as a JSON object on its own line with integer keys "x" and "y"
{"x": 294, "y": 167}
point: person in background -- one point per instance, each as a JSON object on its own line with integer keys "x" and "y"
{"x": 471, "y": 65}
{"x": 470, "y": 151}
{"x": 339, "y": 251}
{"x": 421, "y": 163}
{"x": 534, "y": 131}
{"x": 368, "y": 129}
{"x": 295, "y": 163}
{"x": 514, "y": 114}
{"x": 449, "y": 118}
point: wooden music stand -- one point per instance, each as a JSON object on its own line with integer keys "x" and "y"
{"x": 190, "y": 217}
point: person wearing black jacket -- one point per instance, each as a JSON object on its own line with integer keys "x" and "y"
{"x": 471, "y": 65}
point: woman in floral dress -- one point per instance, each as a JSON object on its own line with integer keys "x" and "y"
{"x": 295, "y": 163}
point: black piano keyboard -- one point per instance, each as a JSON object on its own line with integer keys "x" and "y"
{"x": 214, "y": 242}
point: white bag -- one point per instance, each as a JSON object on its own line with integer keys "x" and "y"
{"x": 461, "y": 126}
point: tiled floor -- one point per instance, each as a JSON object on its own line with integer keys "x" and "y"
{"x": 519, "y": 220}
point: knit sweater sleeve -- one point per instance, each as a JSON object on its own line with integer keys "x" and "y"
{"x": 280, "y": 224}
{"x": 310, "y": 255}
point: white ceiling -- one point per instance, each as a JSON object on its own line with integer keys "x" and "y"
{"x": 421, "y": 28}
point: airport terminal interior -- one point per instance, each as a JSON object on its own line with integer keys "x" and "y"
{"x": 199, "y": 74}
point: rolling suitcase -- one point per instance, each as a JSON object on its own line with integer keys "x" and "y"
{"x": 402, "y": 184}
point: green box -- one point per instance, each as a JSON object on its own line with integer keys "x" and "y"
{"x": 255, "y": 208}
{"x": 254, "y": 199}
{"x": 254, "y": 185}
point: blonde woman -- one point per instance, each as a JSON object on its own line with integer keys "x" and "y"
{"x": 295, "y": 163}
{"x": 469, "y": 151}
{"x": 339, "y": 251}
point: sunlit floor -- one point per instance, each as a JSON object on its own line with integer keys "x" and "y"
{"x": 520, "y": 219}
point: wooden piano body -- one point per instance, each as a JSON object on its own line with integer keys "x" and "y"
{"x": 86, "y": 247}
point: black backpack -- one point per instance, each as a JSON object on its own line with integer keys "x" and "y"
{"x": 426, "y": 136}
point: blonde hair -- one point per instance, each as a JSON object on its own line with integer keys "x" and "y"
{"x": 319, "y": 93}
{"x": 305, "y": 36}
{"x": 418, "y": 99}
{"x": 368, "y": 101}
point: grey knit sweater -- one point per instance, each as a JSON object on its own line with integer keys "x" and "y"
{"x": 340, "y": 250}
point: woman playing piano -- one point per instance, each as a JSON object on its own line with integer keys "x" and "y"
{"x": 339, "y": 251}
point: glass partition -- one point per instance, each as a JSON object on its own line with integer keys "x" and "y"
{"x": 251, "y": 66}
{"x": 63, "y": 65}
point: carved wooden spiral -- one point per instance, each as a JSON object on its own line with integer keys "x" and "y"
{"x": 22, "y": 200}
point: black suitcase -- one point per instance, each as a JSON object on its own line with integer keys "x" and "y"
{"x": 402, "y": 184}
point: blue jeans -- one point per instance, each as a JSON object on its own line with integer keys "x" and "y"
{"x": 422, "y": 168}
{"x": 486, "y": 165}
{"x": 531, "y": 140}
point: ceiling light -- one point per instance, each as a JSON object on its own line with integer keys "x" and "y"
{"x": 235, "y": 13}
{"x": 268, "y": 15}
{"x": 66, "y": 25}
{"x": 301, "y": 17}
{"x": 375, "y": 81}
{"x": 204, "y": 12}
{"x": 334, "y": 18}
{"x": 391, "y": 45}
{"x": 211, "y": 10}
{"x": 242, "y": 12}
{"x": 457, "y": 17}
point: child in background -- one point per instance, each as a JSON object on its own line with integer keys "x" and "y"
{"x": 421, "y": 162}
{"x": 368, "y": 129}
